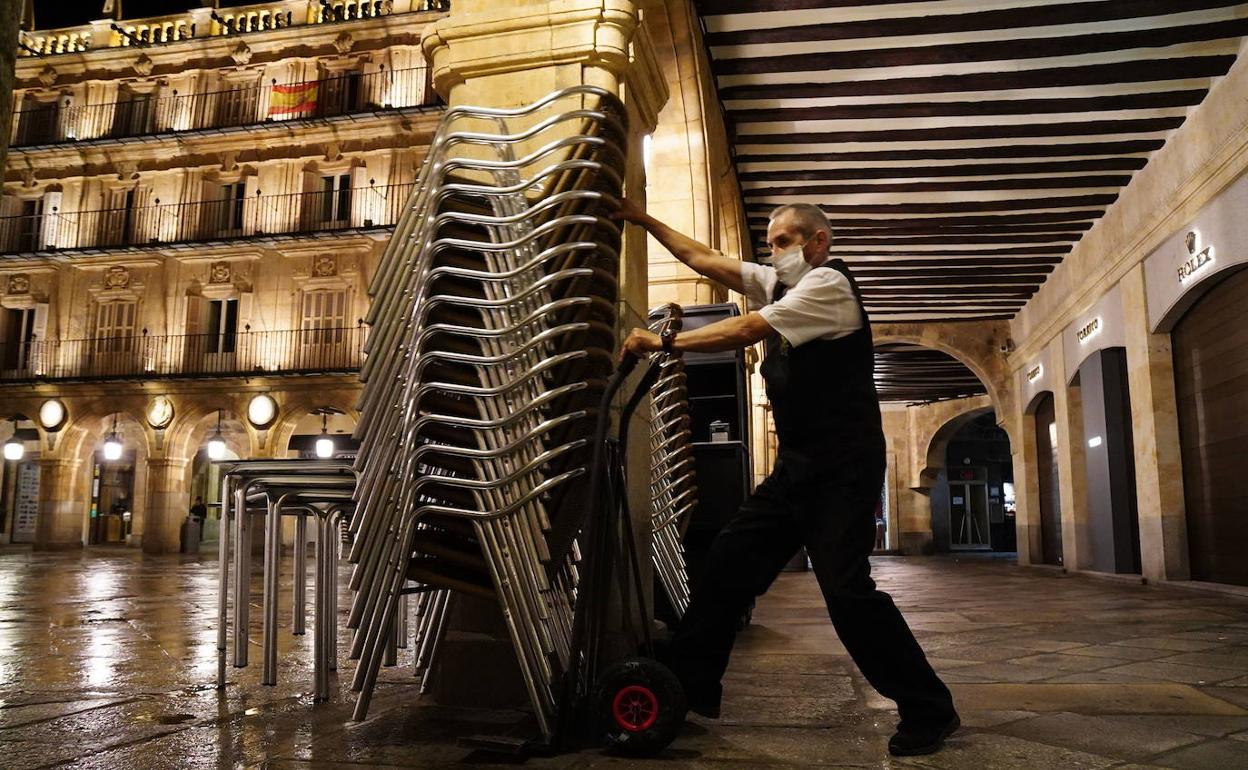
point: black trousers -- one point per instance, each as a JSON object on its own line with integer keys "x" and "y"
{"x": 831, "y": 511}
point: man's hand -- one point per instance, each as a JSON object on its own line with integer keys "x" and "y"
{"x": 640, "y": 342}
{"x": 625, "y": 209}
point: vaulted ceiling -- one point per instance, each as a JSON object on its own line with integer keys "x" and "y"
{"x": 960, "y": 147}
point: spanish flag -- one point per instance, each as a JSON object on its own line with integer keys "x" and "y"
{"x": 293, "y": 99}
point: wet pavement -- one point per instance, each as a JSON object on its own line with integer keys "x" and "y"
{"x": 108, "y": 660}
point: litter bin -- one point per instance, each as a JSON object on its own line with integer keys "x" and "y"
{"x": 189, "y": 536}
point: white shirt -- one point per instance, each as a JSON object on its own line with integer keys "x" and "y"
{"x": 820, "y": 307}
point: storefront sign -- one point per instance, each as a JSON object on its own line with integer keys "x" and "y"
{"x": 1089, "y": 330}
{"x": 1199, "y": 259}
{"x": 1035, "y": 373}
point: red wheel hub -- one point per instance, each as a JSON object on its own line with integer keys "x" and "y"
{"x": 635, "y": 708}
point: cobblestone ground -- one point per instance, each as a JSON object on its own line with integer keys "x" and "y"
{"x": 107, "y": 660}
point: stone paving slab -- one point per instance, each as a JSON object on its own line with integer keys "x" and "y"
{"x": 109, "y": 658}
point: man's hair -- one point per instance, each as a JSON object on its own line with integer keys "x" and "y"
{"x": 808, "y": 217}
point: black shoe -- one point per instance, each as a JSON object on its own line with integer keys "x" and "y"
{"x": 913, "y": 741}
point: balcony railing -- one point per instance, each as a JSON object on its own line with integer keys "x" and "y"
{"x": 209, "y": 22}
{"x": 147, "y": 114}
{"x": 245, "y": 353}
{"x": 233, "y": 218}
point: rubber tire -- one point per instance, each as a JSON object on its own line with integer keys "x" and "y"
{"x": 659, "y": 680}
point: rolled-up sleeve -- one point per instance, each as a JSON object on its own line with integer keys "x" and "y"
{"x": 821, "y": 306}
{"x": 759, "y": 282}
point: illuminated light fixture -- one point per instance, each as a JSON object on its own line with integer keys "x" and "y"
{"x": 216, "y": 443}
{"x": 324, "y": 443}
{"x": 1094, "y": 442}
{"x": 647, "y": 150}
{"x": 112, "y": 444}
{"x": 262, "y": 411}
{"x": 14, "y": 449}
{"x": 52, "y": 414}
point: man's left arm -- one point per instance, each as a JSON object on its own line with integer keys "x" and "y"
{"x": 729, "y": 334}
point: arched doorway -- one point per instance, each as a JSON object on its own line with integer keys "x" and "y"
{"x": 118, "y": 481}
{"x": 19, "y": 479}
{"x": 973, "y": 497}
{"x": 1109, "y": 456}
{"x": 205, "y": 481}
{"x": 1043, "y": 411}
{"x": 1211, "y": 394}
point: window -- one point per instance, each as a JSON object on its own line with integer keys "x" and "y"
{"x": 237, "y": 106}
{"x": 339, "y": 94}
{"x": 229, "y": 208}
{"x": 324, "y": 317}
{"x": 29, "y": 225}
{"x": 36, "y": 123}
{"x": 222, "y": 325}
{"x": 19, "y": 333}
{"x": 114, "y": 326}
{"x": 135, "y": 113}
{"x": 116, "y": 221}
{"x": 335, "y": 200}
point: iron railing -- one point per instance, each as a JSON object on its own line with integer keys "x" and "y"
{"x": 228, "y": 218}
{"x": 139, "y": 114}
{"x": 205, "y": 22}
{"x": 147, "y": 356}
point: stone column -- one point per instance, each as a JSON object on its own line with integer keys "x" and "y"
{"x": 1155, "y": 432}
{"x": 62, "y": 504}
{"x": 10, "y": 14}
{"x": 1026, "y": 490}
{"x": 1072, "y": 469}
{"x": 168, "y": 501}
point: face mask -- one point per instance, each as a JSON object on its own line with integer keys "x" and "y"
{"x": 790, "y": 265}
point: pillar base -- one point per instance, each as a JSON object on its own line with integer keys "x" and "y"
{"x": 72, "y": 545}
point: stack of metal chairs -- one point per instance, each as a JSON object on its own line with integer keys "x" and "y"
{"x": 493, "y": 315}
{"x": 673, "y": 491}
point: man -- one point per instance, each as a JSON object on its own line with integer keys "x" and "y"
{"x": 199, "y": 511}
{"x": 819, "y": 372}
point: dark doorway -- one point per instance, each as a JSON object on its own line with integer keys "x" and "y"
{"x": 969, "y": 510}
{"x": 1046, "y": 469}
{"x": 1211, "y": 390}
{"x": 1113, "y": 522}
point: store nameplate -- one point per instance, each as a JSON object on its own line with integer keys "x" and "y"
{"x": 1035, "y": 373}
{"x": 1089, "y": 330}
{"x": 1198, "y": 260}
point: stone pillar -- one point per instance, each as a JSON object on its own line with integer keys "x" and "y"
{"x": 62, "y": 504}
{"x": 1072, "y": 469}
{"x": 1155, "y": 432}
{"x": 168, "y": 501}
{"x": 1026, "y": 490}
{"x": 10, "y": 14}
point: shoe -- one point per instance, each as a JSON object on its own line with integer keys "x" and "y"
{"x": 912, "y": 742}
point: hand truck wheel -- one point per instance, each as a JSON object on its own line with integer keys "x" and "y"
{"x": 640, "y": 705}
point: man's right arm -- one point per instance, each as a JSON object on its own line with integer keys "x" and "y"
{"x": 701, "y": 258}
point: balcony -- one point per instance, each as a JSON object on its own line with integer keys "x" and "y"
{"x": 245, "y": 354}
{"x": 200, "y": 23}
{"x": 139, "y": 114}
{"x": 254, "y": 216}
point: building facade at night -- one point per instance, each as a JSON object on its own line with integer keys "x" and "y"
{"x": 193, "y": 205}
{"x": 1043, "y": 220}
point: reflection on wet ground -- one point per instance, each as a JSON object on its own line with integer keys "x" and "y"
{"x": 108, "y": 660}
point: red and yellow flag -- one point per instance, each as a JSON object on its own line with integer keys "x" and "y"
{"x": 293, "y": 99}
